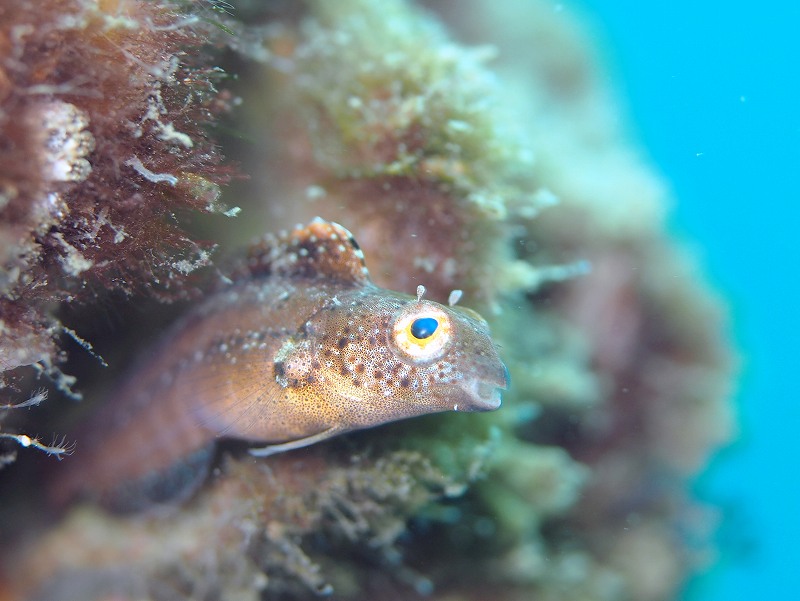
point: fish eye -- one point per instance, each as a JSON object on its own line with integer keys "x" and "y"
{"x": 423, "y": 332}
{"x": 423, "y": 327}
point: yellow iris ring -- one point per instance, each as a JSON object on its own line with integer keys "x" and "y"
{"x": 422, "y": 348}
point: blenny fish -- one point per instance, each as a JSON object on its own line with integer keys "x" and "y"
{"x": 301, "y": 348}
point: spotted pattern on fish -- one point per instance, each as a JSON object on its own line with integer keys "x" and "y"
{"x": 300, "y": 348}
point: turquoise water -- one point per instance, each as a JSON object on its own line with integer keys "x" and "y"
{"x": 712, "y": 90}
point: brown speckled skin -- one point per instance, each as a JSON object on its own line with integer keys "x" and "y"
{"x": 300, "y": 350}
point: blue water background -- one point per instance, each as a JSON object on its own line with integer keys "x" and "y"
{"x": 712, "y": 92}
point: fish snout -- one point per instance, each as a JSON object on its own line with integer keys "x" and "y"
{"x": 483, "y": 390}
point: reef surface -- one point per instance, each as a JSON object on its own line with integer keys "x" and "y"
{"x": 495, "y": 165}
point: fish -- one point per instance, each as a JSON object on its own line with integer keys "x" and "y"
{"x": 299, "y": 347}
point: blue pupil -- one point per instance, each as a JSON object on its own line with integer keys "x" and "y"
{"x": 424, "y": 327}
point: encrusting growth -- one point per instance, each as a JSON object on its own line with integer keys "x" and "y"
{"x": 368, "y": 113}
{"x": 102, "y": 139}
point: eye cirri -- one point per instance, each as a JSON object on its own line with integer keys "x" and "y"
{"x": 422, "y": 333}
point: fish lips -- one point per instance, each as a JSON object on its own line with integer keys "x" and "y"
{"x": 482, "y": 392}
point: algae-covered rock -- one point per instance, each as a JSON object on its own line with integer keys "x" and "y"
{"x": 521, "y": 190}
{"x": 102, "y": 114}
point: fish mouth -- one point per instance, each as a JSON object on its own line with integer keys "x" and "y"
{"x": 483, "y": 392}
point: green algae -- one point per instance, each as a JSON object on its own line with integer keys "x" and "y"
{"x": 375, "y": 77}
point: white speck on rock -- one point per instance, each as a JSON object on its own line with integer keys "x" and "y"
{"x": 67, "y": 141}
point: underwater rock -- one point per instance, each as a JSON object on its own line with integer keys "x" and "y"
{"x": 103, "y": 108}
{"x": 521, "y": 190}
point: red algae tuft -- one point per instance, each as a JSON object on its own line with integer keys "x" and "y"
{"x": 103, "y": 108}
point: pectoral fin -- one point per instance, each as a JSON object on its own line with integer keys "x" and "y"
{"x": 165, "y": 488}
{"x": 274, "y": 449}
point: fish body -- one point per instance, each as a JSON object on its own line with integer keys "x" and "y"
{"x": 302, "y": 348}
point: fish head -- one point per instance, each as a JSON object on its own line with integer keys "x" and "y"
{"x": 385, "y": 356}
